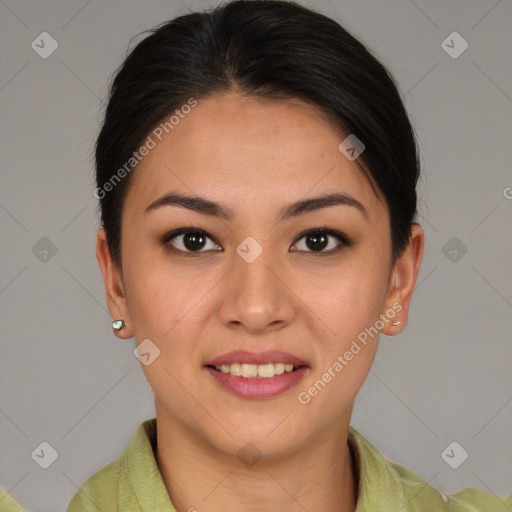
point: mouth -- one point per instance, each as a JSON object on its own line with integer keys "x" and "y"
{"x": 257, "y": 375}
{"x": 256, "y": 371}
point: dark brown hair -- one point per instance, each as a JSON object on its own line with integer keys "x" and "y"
{"x": 270, "y": 48}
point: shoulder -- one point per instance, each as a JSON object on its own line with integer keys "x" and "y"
{"x": 122, "y": 483}
{"x": 99, "y": 492}
{"x": 8, "y": 503}
{"x": 385, "y": 486}
{"x": 419, "y": 494}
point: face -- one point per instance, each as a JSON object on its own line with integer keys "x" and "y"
{"x": 260, "y": 277}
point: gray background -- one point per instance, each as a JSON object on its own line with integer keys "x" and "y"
{"x": 67, "y": 380}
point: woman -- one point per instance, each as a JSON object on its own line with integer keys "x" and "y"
{"x": 257, "y": 174}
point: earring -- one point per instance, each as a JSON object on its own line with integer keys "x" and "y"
{"x": 396, "y": 323}
{"x": 118, "y": 325}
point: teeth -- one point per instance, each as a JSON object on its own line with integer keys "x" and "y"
{"x": 249, "y": 370}
{"x": 278, "y": 368}
{"x": 263, "y": 371}
{"x": 235, "y": 369}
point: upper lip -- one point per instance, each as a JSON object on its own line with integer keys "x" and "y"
{"x": 247, "y": 357}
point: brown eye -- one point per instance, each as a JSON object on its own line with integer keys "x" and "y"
{"x": 320, "y": 239}
{"x": 190, "y": 241}
{"x": 193, "y": 241}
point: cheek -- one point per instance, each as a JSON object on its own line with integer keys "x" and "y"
{"x": 353, "y": 299}
{"x": 346, "y": 349}
{"x": 353, "y": 311}
{"x": 161, "y": 308}
{"x": 159, "y": 298}
{"x": 350, "y": 298}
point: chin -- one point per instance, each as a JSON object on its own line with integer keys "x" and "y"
{"x": 267, "y": 438}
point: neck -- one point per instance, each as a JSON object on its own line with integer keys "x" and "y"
{"x": 199, "y": 477}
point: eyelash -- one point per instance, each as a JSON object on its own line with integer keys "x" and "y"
{"x": 341, "y": 237}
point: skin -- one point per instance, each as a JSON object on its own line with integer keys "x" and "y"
{"x": 255, "y": 156}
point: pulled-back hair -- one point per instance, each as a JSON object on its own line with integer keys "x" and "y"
{"x": 269, "y": 48}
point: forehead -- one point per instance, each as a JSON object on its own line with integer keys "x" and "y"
{"x": 237, "y": 148}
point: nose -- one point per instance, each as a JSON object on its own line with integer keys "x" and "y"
{"x": 256, "y": 296}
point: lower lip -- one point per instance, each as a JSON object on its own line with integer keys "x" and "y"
{"x": 248, "y": 387}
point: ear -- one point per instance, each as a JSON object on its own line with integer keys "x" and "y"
{"x": 402, "y": 281}
{"x": 114, "y": 285}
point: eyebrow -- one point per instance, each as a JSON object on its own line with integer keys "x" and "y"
{"x": 214, "y": 209}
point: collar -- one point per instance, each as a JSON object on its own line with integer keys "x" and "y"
{"x": 140, "y": 480}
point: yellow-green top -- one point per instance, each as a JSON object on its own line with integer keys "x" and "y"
{"x": 133, "y": 483}
{"x": 9, "y": 504}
